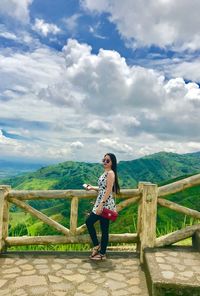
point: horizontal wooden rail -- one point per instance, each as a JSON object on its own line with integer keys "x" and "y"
{"x": 54, "y": 194}
{"x": 179, "y": 185}
{"x": 176, "y": 236}
{"x": 55, "y": 239}
{"x": 178, "y": 208}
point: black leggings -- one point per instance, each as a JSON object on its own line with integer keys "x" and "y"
{"x": 104, "y": 224}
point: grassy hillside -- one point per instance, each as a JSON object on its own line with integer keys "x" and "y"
{"x": 66, "y": 175}
{"x": 158, "y": 167}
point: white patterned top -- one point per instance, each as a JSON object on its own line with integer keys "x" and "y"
{"x": 110, "y": 203}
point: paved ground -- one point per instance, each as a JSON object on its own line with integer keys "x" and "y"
{"x": 71, "y": 274}
{"x": 174, "y": 271}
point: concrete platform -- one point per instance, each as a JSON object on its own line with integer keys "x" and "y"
{"x": 173, "y": 271}
{"x": 71, "y": 274}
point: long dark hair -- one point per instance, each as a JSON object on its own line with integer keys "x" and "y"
{"x": 113, "y": 158}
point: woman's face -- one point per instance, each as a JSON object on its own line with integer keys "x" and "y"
{"x": 107, "y": 163}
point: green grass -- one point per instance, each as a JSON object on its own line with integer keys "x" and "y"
{"x": 17, "y": 217}
{"x": 185, "y": 242}
{"x": 37, "y": 184}
{"x": 61, "y": 247}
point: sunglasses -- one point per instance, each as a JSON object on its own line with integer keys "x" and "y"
{"x": 105, "y": 160}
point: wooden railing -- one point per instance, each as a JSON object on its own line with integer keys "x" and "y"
{"x": 147, "y": 195}
{"x": 72, "y": 235}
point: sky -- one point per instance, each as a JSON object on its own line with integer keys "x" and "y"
{"x": 80, "y": 78}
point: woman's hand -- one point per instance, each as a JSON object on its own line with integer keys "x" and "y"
{"x": 89, "y": 187}
{"x": 99, "y": 209}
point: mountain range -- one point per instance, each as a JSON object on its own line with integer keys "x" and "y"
{"x": 156, "y": 168}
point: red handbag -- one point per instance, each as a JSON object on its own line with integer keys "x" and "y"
{"x": 109, "y": 214}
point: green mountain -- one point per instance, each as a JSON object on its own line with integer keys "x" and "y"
{"x": 160, "y": 168}
{"x": 155, "y": 168}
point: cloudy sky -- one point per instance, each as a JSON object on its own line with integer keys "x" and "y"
{"x": 79, "y": 78}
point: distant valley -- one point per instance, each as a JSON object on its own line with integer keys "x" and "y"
{"x": 13, "y": 168}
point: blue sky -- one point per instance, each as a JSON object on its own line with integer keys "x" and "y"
{"x": 80, "y": 78}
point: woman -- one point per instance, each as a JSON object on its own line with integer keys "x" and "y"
{"x": 108, "y": 183}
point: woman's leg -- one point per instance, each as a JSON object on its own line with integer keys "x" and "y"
{"x": 91, "y": 229}
{"x": 104, "y": 223}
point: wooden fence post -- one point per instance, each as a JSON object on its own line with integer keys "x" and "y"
{"x": 139, "y": 218}
{"x": 4, "y": 215}
{"x": 147, "y": 215}
{"x": 74, "y": 215}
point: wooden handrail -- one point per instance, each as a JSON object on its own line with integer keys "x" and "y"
{"x": 179, "y": 185}
{"x": 61, "y": 239}
{"x": 54, "y": 194}
{"x": 176, "y": 236}
{"x": 178, "y": 208}
{"x": 74, "y": 234}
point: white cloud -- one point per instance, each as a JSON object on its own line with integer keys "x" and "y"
{"x": 125, "y": 123}
{"x": 6, "y": 141}
{"x": 20, "y": 37}
{"x": 77, "y": 104}
{"x": 14, "y": 147}
{"x": 77, "y": 145}
{"x": 128, "y": 120}
{"x": 163, "y": 23}
{"x": 95, "y": 30}
{"x": 99, "y": 126}
{"x": 45, "y": 28}
{"x": 193, "y": 92}
{"x": 107, "y": 77}
{"x": 30, "y": 71}
{"x": 16, "y": 9}
{"x": 116, "y": 145}
{"x": 176, "y": 86}
{"x": 8, "y": 35}
{"x": 72, "y": 23}
{"x": 189, "y": 70}
{"x": 74, "y": 52}
{"x": 109, "y": 86}
{"x": 33, "y": 150}
{"x": 97, "y": 5}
